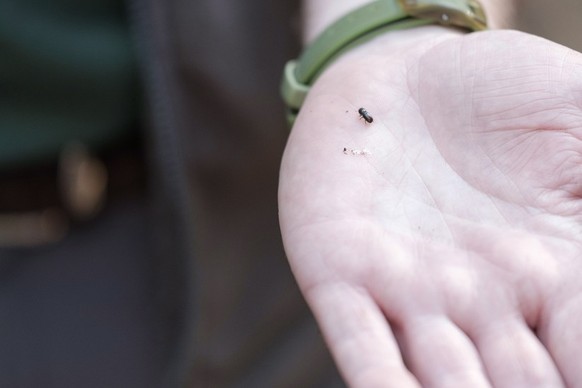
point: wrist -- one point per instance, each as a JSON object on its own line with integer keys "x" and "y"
{"x": 369, "y": 21}
{"x": 499, "y": 13}
{"x": 319, "y": 14}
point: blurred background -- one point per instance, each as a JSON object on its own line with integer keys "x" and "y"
{"x": 557, "y": 20}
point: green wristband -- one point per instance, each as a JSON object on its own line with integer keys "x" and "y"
{"x": 364, "y": 24}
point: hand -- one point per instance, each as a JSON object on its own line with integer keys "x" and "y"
{"x": 443, "y": 247}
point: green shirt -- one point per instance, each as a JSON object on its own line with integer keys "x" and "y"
{"x": 67, "y": 72}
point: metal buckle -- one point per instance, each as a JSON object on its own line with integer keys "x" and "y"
{"x": 461, "y": 13}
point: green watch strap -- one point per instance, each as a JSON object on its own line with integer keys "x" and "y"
{"x": 364, "y": 24}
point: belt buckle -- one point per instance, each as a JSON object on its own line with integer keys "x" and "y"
{"x": 82, "y": 183}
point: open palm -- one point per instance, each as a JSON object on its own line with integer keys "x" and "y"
{"x": 441, "y": 244}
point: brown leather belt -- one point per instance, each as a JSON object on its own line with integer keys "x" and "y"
{"x": 38, "y": 204}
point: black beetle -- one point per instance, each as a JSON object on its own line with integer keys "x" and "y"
{"x": 365, "y": 115}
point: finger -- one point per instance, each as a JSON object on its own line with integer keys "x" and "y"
{"x": 561, "y": 333}
{"x": 440, "y": 354}
{"x": 514, "y": 357}
{"x": 359, "y": 337}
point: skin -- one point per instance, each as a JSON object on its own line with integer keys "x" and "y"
{"x": 450, "y": 254}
